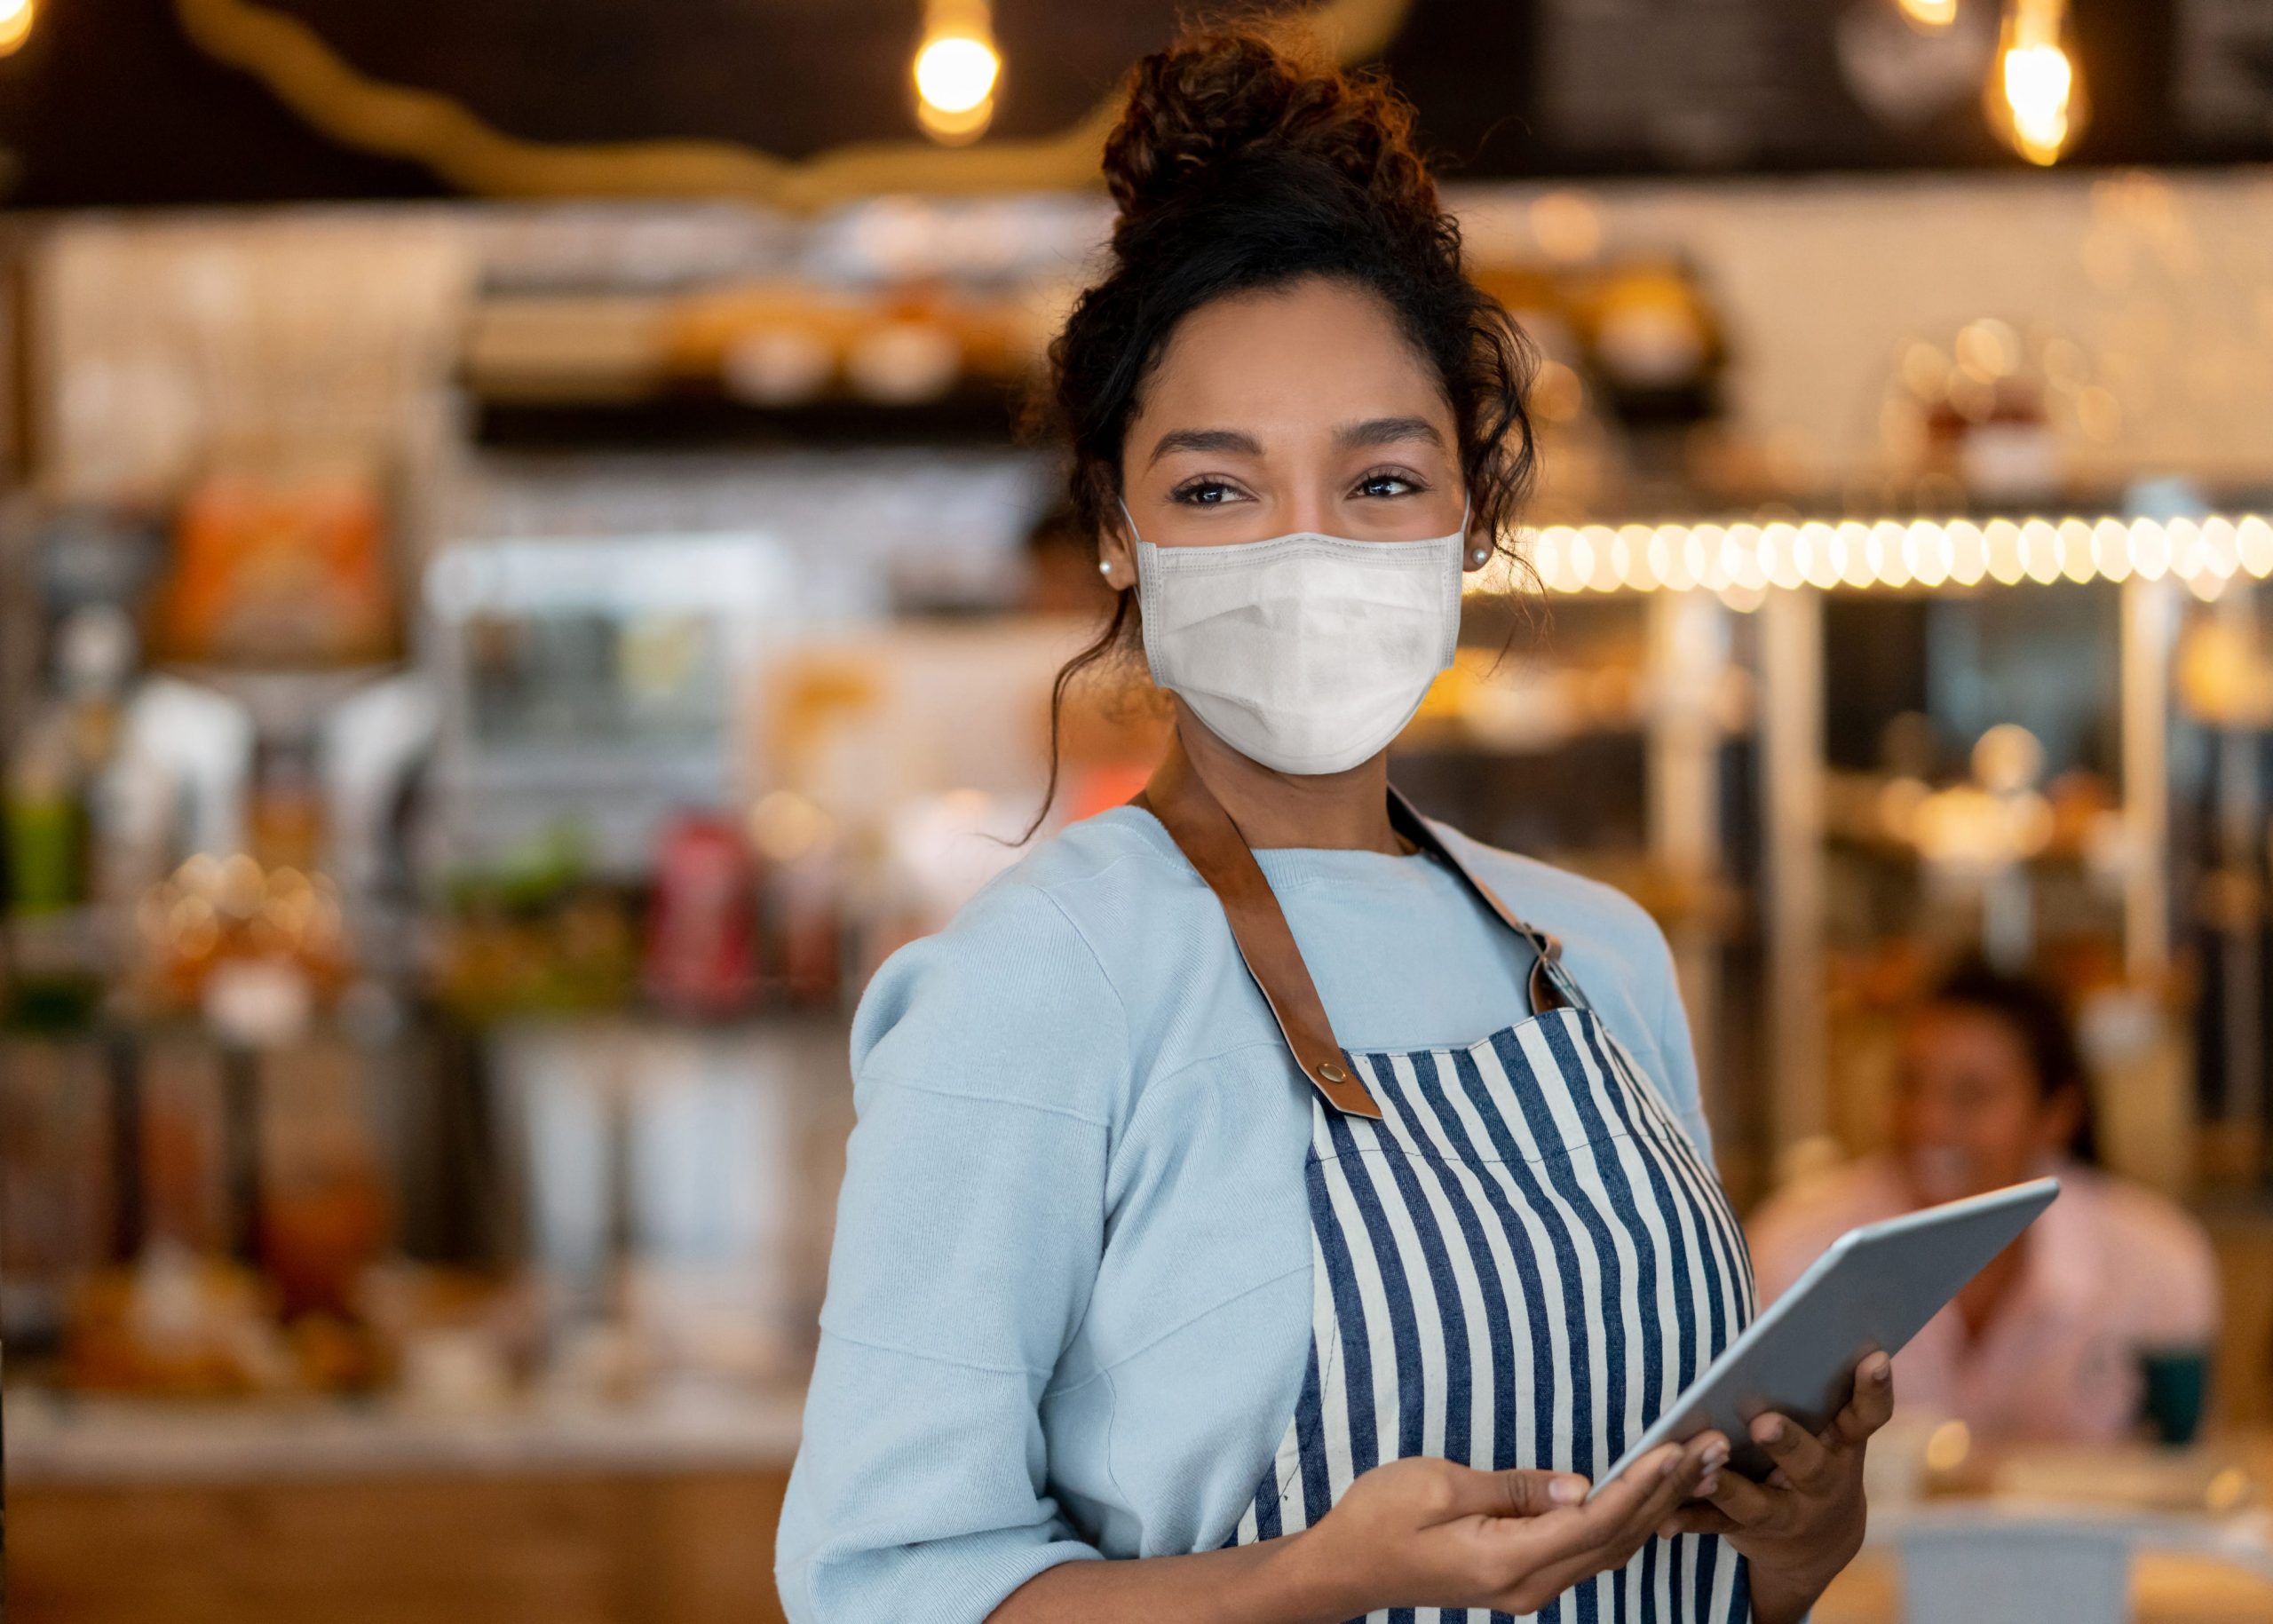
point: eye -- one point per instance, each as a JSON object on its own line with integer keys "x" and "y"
{"x": 1388, "y": 482}
{"x": 1204, "y": 493}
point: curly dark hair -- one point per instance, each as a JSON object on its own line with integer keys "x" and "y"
{"x": 1245, "y": 159}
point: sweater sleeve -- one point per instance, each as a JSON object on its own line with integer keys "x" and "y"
{"x": 968, "y": 1236}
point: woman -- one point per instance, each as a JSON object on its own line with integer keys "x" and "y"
{"x": 2104, "y": 1309}
{"x": 1241, "y": 1193}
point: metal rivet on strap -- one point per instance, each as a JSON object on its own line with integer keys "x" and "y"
{"x": 1332, "y": 1073}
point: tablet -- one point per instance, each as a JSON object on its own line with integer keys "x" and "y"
{"x": 1871, "y": 1288}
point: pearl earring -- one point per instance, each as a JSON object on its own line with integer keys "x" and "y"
{"x": 1476, "y": 555}
{"x": 1105, "y": 567}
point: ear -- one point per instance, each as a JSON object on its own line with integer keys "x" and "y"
{"x": 1117, "y": 559}
{"x": 1475, "y": 543}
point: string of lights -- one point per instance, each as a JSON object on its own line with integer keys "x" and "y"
{"x": 1742, "y": 561}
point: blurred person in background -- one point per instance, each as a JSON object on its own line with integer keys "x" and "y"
{"x": 1268, "y": 1206}
{"x": 2102, "y": 1316}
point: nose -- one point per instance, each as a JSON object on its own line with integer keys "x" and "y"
{"x": 1306, "y": 514}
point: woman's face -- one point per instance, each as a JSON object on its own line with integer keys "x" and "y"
{"x": 1968, "y": 1114}
{"x": 1297, "y": 409}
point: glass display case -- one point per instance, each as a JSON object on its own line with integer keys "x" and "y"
{"x": 606, "y": 677}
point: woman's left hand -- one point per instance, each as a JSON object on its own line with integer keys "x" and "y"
{"x": 1805, "y": 1523}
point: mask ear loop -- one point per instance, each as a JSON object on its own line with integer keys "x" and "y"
{"x": 1105, "y": 566}
{"x": 1136, "y": 551}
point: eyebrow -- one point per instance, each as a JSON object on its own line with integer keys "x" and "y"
{"x": 1350, "y": 437}
{"x": 1386, "y": 432}
{"x": 1206, "y": 439}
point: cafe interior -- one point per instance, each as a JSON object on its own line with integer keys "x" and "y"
{"x": 525, "y": 575}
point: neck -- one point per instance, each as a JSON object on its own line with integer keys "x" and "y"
{"x": 1344, "y": 810}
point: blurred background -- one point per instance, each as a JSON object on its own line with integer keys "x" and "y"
{"x": 519, "y": 584}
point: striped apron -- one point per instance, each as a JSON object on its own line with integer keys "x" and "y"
{"x": 1521, "y": 1264}
{"x": 1519, "y": 1258}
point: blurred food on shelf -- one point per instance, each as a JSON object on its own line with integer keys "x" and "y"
{"x": 1990, "y": 415}
{"x": 255, "y": 949}
{"x": 535, "y": 937}
{"x": 774, "y": 346}
{"x": 177, "y": 1326}
{"x": 279, "y": 565}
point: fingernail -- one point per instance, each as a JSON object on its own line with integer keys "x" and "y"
{"x": 1772, "y": 1431}
{"x": 1567, "y": 1491}
{"x": 1670, "y": 1465}
{"x": 1881, "y": 1370}
{"x": 1717, "y": 1455}
{"x": 1710, "y": 1486}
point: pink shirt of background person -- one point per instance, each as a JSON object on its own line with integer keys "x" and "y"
{"x": 2110, "y": 1272}
{"x": 2046, "y": 1342}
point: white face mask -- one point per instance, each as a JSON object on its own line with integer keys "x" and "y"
{"x": 1306, "y": 653}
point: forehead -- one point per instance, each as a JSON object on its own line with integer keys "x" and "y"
{"x": 1314, "y": 353}
{"x": 1977, "y": 1038}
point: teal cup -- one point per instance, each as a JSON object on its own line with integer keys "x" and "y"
{"x": 2175, "y": 1391}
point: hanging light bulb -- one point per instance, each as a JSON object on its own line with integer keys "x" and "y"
{"x": 1931, "y": 15}
{"x": 2036, "y": 95}
{"x": 956, "y": 70}
{"x": 16, "y": 18}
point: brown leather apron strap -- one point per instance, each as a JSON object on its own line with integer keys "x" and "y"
{"x": 1212, "y": 843}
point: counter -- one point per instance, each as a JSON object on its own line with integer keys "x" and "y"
{"x": 658, "y": 1513}
{"x": 655, "y": 1512}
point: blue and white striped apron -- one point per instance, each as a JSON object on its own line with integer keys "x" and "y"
{"x": 1520, "y": 1264}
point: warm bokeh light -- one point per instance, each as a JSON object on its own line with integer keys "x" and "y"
{"x": 2037, "y": 80}
{"x": 1929, "y": 13}
{"x": 1948, "y": 1445}
{"x": 956, "y": 74}
{"x": 16, "y": 17}
{"x": 954, "y": 129}
{"x": 956, "y": 71}
{"x": 2036, "y": 90}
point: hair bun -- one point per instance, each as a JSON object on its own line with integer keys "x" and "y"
{"x": 1219, "y": 102}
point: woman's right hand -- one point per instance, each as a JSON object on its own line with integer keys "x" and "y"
{"x": 1426, "y": 1533}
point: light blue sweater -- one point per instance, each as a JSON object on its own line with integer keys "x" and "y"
{"x": 1070, "y": 1296}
